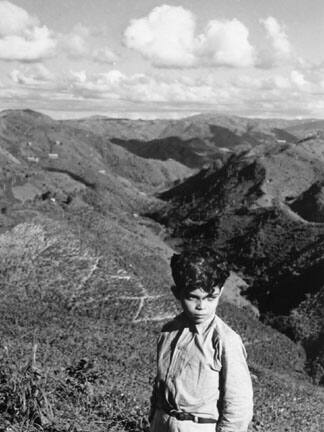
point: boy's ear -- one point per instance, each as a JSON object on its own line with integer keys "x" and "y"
{"x": 176, "y": 291}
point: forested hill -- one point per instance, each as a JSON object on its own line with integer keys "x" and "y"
{"x": 85, "y": 275}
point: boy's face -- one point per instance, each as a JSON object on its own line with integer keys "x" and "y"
{"x": 200, "y": 306}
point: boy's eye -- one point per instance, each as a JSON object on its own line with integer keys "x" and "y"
{"x": 192, "y": 298}
{"x": 213, "y": 297}
{"x": 209, "y": 298}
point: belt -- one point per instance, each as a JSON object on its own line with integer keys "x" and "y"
{"x": 182, "y": 415}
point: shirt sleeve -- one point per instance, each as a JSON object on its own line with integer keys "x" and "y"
{"x": 236, "y": 394}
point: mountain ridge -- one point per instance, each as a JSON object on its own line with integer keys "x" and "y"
{"x": 246, "y": 211}
{"x": 85, "y": 275}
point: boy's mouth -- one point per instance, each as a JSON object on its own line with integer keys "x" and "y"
{"x": 200, "y": 317}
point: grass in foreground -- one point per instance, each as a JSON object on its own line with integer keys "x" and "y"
{"x": 64, "y": 372}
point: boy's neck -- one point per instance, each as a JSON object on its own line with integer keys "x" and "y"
{"x": 201, "y": 327}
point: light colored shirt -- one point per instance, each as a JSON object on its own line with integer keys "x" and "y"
{"x": 202, "y": 370}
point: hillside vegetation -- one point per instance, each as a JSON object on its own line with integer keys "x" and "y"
{"x": 85, "y": 278}
{"x": 262, "y": 210}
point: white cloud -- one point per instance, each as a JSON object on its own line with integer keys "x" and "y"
{"x": 277, "y": 36}
{"x": 21, "y": 37}
{"x": 113, "y": 78}
{"x": 280, "y": 50}
{"x": 167, "y": 38}
{"x": 78, "y": 76}
{"x": 75, "y": 43}
{"x": 104, "y": 55}
{"x": 288, "y": 82}
{"x": 298, "y": 79}
{"x": 14, "y": 20}
{"x": 261, "y": 93}
{"x": 225, "y": 43}
{"x": 146, "y": 88}
{"x": 78, "y": 45}
{"x": 32, "y": 76}
{"x": 279, "y": 82}
{"x": 315, "y": 77}
{"x": 19, "y": 77}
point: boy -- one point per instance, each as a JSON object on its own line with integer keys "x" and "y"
{"x": 203, "y": 382}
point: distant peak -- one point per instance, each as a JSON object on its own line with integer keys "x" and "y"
{"x": 27, "y": 112}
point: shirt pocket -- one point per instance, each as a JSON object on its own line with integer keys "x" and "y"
{"x": 200, "y": 379}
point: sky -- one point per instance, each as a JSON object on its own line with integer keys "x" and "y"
{"x": 155, "y": 59}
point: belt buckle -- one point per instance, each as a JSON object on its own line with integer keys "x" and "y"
{"x": 182, "y": 416}
{"x": 179, "y": 415}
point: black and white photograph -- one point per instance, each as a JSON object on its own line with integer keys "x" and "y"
{"x": 161, "y": 216}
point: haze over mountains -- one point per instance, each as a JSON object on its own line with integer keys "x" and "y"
{"x": 93, "y": 209}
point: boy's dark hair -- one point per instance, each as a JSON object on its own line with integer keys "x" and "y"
{"x": 198, "y": 269}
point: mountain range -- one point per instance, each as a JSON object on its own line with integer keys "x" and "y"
{"x": 91, "y": 212}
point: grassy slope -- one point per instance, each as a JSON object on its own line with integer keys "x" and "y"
{"x": 95, "y": 364}
{"x": 96, "y": 372}
{"x": 85, "y": 290}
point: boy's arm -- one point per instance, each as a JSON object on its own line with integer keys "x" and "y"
{"x": 236, "y": 394}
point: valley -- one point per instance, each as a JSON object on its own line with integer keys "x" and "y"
{"x": 91, "y": 212}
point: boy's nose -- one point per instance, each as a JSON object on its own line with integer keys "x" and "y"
{"x": 200, "y": 304}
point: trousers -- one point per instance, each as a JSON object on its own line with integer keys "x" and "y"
{"x": 163, "y": 422}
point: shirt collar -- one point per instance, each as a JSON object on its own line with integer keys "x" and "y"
{"x": 200, "y": 328}
{"x": 196, "y": 328}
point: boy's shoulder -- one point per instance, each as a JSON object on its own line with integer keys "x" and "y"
{"x": 221, "y": 331}
{"x": 224, "y": 333}
{"x": 175, "y": 324}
